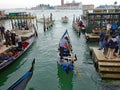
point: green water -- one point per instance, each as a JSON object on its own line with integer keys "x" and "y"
{"x": 47, "y": 74}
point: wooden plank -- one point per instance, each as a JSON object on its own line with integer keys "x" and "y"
{"x": 92, "y": 36}
{"x": 109, "y": 69}
{"x": 109, "y": 76}
{"x": 101, "y": 57}
{"x": 112, "y": 64}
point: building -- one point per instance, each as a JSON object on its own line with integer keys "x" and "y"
{"x": 2, "y": 14}
{"x": 62, "y": 2}
{"x": 88, "y": 7}
{"x": 70, "y": 6}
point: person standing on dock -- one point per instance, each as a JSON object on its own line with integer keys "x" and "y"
{"x": 111, "y": 48}
{"x": 19, "y": 39}
{"x": 108, "y": 28}
{"x": 102, "y": 38}
{"x": 117, "y": 49}
{"x": 7, "y": 38}
{"x": 106, "y": 45}
{"x": 114, "y": 28}
{"x": 13, "y": 35}
{"x": 2, "y": 30}
{"x": 0, "y": 41}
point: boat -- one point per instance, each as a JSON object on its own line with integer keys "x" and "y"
{"x": 65, "y": 19}
{"x": 78, "y": 25}
{"x": 67, "y": 62}
{"x": 13, "y": 52}
{"x": 19, "y": 15}
{"x": 21, "y": 83}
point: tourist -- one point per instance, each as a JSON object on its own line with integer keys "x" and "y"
{"x": 2, "y": 30}
{"x": 111, "y": 48}
{"x": 108, "y": 28}
{"x": 114, "y": 28}
{"x": 106, "y": 45}
{"x": 13, "y": 39}
{"x": 0, "y": 41}
{"x": 7, "y": 38}
{"x": 102, "y": 38}
{"x": 117, "y": 49}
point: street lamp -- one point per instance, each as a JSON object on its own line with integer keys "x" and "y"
{"x": 115, "y": 5}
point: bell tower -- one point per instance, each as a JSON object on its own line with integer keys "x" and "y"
{"x": 62, "y": 2}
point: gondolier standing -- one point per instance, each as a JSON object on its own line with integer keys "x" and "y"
{"x": 63, "y": 44}
{"x": 19, "y": 39}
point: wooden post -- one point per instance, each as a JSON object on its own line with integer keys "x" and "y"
{"x": 44, "y": 23}
{"x": 51, "y": 17}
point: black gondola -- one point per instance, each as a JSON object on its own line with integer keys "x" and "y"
{"x": 22, "y": 82}
{"x": 67, "y": 62}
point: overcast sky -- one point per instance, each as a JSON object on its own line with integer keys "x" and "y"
{"x": 31, "y": 3}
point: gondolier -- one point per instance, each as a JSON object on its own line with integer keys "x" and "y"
{"x": 63, "y": 45}
{"x": 19, "y": 39}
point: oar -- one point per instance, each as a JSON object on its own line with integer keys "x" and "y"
{"x": 74, "y": 57}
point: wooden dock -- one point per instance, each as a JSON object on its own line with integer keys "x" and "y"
{"x": 49, "y": 24}
{"x": 107, "y": 68}
{"x": 92, "y": 37}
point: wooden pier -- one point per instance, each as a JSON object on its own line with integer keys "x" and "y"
{"x": 49, "y": 23}
{"x": 107, "y": 68}
{"x": 92, "y": 37}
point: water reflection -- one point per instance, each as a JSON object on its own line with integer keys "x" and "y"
{"x": 65, "y": 80}
{"x": 4, "y": 74}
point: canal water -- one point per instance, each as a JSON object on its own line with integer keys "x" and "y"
{"x": 47, "y": 74}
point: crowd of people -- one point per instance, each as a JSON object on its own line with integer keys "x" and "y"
{"x": 10, "y": 37}
{"x": 110, "y": 40}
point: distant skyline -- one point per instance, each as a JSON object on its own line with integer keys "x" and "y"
{"x": 5, "y": 4}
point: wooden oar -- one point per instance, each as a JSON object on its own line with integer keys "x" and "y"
{"x": 74, "y": 58}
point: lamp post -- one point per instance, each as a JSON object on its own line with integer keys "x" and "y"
{"x": 115, "y": 6}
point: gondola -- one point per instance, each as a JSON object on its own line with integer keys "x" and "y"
{"x": 28, "y": 37}
{"x": 67, "y": 62}
{"x": 16, "y": 53}
{"x": 21, "y": 83}
{"x": 64, "y": 19}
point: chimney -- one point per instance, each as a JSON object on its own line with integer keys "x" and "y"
{"x": 62, "y": 2}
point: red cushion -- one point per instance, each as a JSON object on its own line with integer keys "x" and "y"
{"x": 25, "y": 44}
